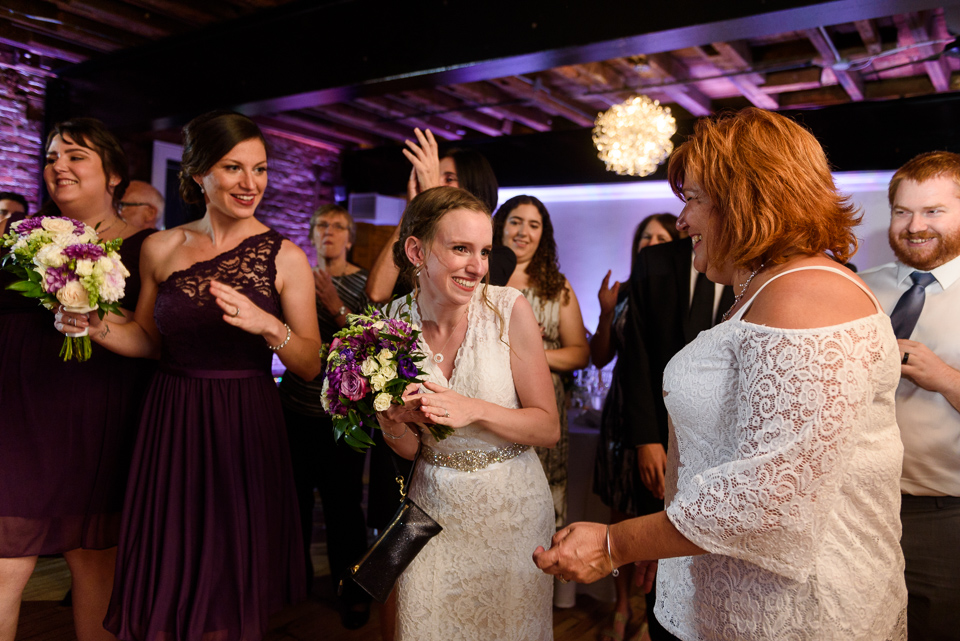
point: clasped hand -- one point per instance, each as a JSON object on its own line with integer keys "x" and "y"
{"x": 438, "y": 405}
{"x": 70, "y": 323}
{"x": 326, "y": 291}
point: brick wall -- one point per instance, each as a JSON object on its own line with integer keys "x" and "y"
{"x": 21, "y": 126}
{"x": 302, "y": 178}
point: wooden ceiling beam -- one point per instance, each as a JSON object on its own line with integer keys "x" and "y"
{"x": 690, "y": 97}
{"x": 914, "y": 28}
{"x": 450, "y": 108}
{"x": 122, "y": 16}
{"x": 337, "y": 134}
{"x": 46, "y": 19}
{"x": 851, "y": 81}
{"x": 364, "y": 121}
{"x": 554, "y": 105}
{"x": 41, "y": 45}
{"x": 195, "y": 13}
{"x": 793, "y": 80}
{"x": 270, "y": 126}
{"x": 392, "y": 110}
{"x": 870, "y": 35}
{"x": 489, "y": 99}
{"x": 737, "y": 59}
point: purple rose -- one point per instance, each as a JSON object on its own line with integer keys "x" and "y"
{"x": 353, "y": 385}
{"x": 407, "y": 368}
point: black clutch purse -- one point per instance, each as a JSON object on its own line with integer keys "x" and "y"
{"x": 399, "y": 543}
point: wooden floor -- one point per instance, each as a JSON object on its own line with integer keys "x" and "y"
{"x": 43, "y": 618}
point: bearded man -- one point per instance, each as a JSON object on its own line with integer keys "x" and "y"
{"x": 921, "y": 293}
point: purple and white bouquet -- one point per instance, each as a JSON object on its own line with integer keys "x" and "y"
{"x": 370, "y": 363}
{"x": 62, "y": 261}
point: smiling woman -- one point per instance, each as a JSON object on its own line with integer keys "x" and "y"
{"x": 63, "y": 472}
{"x": 220, "y": 296}
{"x": 487, "y": 378}
{"x": 523, "y": 225}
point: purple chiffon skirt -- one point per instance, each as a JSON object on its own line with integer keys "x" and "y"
{"x": 210, "y": 539}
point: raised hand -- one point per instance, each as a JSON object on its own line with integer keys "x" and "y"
{"x": 608, "y": 295}
{"x": 326, "y": 291}
{"x": 424, "y": 155}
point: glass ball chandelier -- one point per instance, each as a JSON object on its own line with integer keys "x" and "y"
{"x": 633, "y": 138}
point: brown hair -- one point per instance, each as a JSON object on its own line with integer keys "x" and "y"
{"x": 94, "y": 135}
{"x": 333, "y": 210}
{"x": 207, "y": 139}
{"x": 771, "y": 189}
{"x": 667, "y": 220}
{"x": 544, "y": 268}
{"x": 924, "y": 167}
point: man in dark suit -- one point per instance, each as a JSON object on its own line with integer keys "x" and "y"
{"x": 670, "y": 303}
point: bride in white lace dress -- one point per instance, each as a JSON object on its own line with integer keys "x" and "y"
{"x": 487, "y": 377}
{"x": 782, "y": 489}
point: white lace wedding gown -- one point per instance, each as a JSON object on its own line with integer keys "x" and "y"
{"x": 785, "y": 466}
{"x": 476, "y": 580}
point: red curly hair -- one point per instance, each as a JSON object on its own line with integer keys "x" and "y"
{"x": 771, "y": 188}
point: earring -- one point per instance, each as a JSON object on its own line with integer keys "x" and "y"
{"x": 201, "y": 189}
{"x": 417, "y": 269}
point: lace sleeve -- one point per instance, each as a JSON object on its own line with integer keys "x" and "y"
{"x": 801, "y": 397}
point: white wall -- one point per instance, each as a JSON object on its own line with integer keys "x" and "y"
{"x": 594, "y": 225}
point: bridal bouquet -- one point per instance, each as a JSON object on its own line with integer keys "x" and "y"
{"x": 61, "y": 261}
{"x": 370, "y": 364}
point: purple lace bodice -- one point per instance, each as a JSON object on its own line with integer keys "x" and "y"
{"x": 194, "y": 334}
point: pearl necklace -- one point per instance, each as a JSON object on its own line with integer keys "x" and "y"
{"x": 743, "y": 290}
{"x": 438, "y": 357}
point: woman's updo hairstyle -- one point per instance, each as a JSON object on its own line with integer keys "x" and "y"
{"x": 420, "y": 220}
{"x": 93, "y": 134}
{"x": 207, "y": 139}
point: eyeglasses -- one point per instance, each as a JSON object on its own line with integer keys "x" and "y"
{"x": 324, "y": 226}
{"x": 124, "y": 205}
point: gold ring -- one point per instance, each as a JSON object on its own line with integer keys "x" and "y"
{"x": 236, "y": 313}
{"x": 561, "y": 579}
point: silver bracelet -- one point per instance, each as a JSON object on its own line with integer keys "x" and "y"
{"x": 402, "y": 434}
{"x": 616, "y": 571}
{"x": 284, "y": 343}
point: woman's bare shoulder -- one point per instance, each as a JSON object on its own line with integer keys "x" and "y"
{"x": 811, "y": 298}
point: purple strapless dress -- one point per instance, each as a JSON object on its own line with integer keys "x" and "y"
{"x": 209, "y": 543}
{"x": 66, "y": 429}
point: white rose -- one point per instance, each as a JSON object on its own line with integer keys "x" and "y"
{"x": 57, "y": 225}
{"x": 389, "y": 372}
{"x": 84, "y": 267}
{"x": 377, "y": 381}
{"x": 378, "y": 325}
{"x": 382, "y": 402}
{"x": 73, "y": 294}
{"x": 106, "y": 264}
{"x": 385, "y": 357}
{"x": 66, "y": 240}
{"x": 88, "y": 236}
{"x": 49, "y": 256}
{"x": 323, "y": 395}
{"x": 369, "y": 367}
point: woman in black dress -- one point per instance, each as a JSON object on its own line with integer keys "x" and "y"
{"x": 209, "y": 544}
{"x": 67, "y": 429}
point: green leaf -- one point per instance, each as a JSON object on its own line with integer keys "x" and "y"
{"x": 363, "y": 437}
{"x": 21, "y": 286}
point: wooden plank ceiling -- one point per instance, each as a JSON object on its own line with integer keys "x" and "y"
{"x": 892, "y": 57}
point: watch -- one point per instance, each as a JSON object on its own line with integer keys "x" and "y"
{"x": 343, "y": 311}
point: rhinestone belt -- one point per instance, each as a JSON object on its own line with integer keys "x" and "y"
{"x": 472, "y": 460}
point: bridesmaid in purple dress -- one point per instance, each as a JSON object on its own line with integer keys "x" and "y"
{"x": 66, "y": 429}
{"x": 210, "y": 538}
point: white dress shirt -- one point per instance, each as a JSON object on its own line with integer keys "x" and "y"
{"x": 929, "y": 425}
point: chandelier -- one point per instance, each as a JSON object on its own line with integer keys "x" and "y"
{"x": 633, "y": 138}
